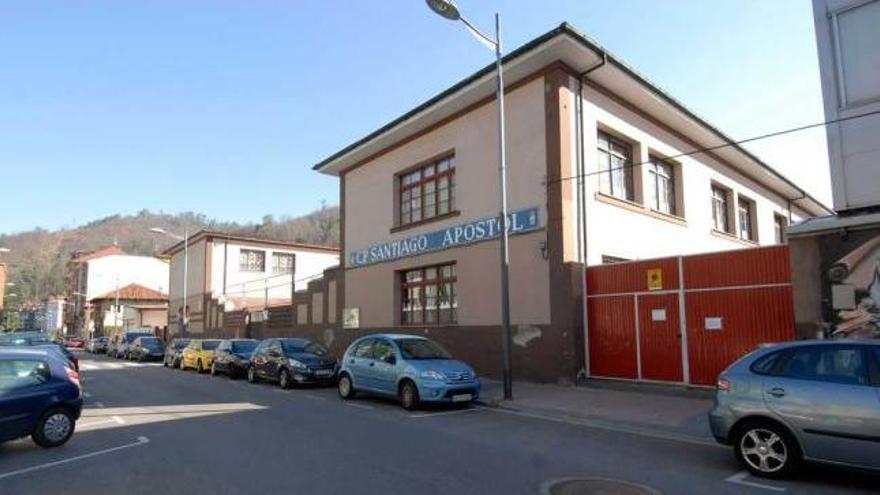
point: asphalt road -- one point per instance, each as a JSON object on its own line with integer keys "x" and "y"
{"x": 151, "y": 430}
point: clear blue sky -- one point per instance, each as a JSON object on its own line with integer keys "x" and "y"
{"x": 222, "y": 106}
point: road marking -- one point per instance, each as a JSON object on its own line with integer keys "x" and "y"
{"x": 314, "y": 397}
{"x": 442, "y": 413}
{"x": 80, "y": 427}
{"x": 629, "y": 429}
{"x": 118, "y": 420}
{"x": 361, "y": 406}
{"x": 99, "y": 404}
{"x": 140, "y": 441}
{"x": 740, "y": 479}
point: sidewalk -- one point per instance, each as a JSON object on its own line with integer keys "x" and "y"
{"x": 658, "y": 410}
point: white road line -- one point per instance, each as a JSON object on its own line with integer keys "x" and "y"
{"x": 118, "y": 420}
{"x": 80, "y": 427}
{"x": 442, "y": 413}
{"x": 361, "y": 406}
{"x": 140, "y": 441}
{"x": 740, "y": 479}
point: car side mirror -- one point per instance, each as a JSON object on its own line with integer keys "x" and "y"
{"x": 391, "y": 359}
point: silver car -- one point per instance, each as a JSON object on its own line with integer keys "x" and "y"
{"x": 815, "y": 400}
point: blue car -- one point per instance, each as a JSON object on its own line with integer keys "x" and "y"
{"x": 412, "y": 368}
{"x": 40, "y": 396}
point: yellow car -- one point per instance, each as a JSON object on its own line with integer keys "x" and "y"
{"x": 199, "y": 354}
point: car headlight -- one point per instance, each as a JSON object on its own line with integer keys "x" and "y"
{"x": 296, "y": 364}
{"x": 433, "y": 375}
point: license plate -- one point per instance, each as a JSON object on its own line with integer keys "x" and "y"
{"x": 323, "y": 372}
{"x": 462, "y": 397}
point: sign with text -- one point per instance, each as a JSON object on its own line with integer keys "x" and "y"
{"x": 518, "y": 222}
{"x": 655, "y": 279}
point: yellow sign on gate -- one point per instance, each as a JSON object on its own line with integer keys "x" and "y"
{"x": 655, "y": 279}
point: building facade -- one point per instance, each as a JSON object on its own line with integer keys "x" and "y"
{"x": 53, "y": 315}
{"x": 92, "y": 275}
{"x": 836, "y": 258}
{"x": 601, "y": 169}
{"x": 227, "y": 273}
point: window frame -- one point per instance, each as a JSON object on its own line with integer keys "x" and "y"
{"x": 404, "y": 209}
{"x": 423, "y": 282}
{"x": 276, "y": 255}
{"x": 780, "y": 223}
{"x": 654, "y": 176}
{"x": 726, "y": 192}
{"x": 749, "y": 232}
{"x": 245, "y": 268}
{"x": 629, "y": 193}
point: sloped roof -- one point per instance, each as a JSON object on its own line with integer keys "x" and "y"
{"x": 212, "y": 234}
{"x": 135, "y": 292}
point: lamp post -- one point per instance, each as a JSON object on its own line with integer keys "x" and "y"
{"x": 448, "y": 10}
{"x": 185, "y": 239}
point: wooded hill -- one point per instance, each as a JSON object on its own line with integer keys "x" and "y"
{"x": 37, "y": 260}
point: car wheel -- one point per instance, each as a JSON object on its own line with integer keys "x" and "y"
{"x": 409, "y": 395}
{"x": 199, "y": 368}
{"x": 284, "y": 379}
{"x": 345, "y": 387}
{"x": 54, "y": 428}
{"x": 252, "y": 374}
{"x": 767, "y": 450}
{"x": 213, "y": 369}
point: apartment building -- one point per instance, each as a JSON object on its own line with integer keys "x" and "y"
{"x": 836, "y": 258}
{"x": 229, "y": 272}
{"x": 602, "y": 168}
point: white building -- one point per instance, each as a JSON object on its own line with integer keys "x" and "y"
{"x": 53, "y": 315}
{"x": 229, "y": 272}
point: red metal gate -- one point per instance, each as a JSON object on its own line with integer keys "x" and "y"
{"x": 732, "y": 302}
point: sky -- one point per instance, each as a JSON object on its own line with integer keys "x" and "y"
{"x": 221, "y": 107}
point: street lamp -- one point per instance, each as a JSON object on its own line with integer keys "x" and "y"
{"x": 448, "y": 10}
{"x": 185, "y": 239}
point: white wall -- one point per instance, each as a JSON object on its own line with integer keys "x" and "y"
{"x": 616, "y": 231}
{"x": 54, "y": 314}
{"x": 308, "y": 264}
{"x": 147, "y": 271}
{"x": 851, "y": 87}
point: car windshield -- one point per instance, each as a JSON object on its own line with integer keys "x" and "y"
{"x": 298, "y": 346}
{"x": 244, "y": 346}
{"x": 210, "y": 345}
{"x": 152, "y": 343}
{"x": 422, "y": 349}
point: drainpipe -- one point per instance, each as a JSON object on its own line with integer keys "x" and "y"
{"x": 582, "y": 196}
{"x": 790, "y": 200}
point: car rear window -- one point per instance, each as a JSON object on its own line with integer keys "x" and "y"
{"x": 765, "y": 365}
{"x": 210, "y": 345}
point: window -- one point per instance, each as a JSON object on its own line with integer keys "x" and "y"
{"x": 427, "y": 192}
{"x": 779, "y": 224}
{"x": 607, "y": 260}
{"x": 250, "y": 260}
{"x": 766, "y": 365}
{"x": 828, "y": 363}
{"x": 661, "y": 186}
{"x": 282, "y": 263}
{"x": 364, "y": 349}
{"x": 719, "y": 208}
{"x": 858, "y": 52}
{"x": 615, "y": 167}
{"x": 429, "y": 295}
{"x": 20, "y": 373}
{"x": 746, "y": 211}
{"x": 382, "y": 349}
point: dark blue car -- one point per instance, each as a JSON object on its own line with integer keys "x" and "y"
{"x": 40, "y": 396}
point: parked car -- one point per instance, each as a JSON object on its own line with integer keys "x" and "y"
{"x": 60, "y": 352}
{"x": 290, "y": 361}
{"x": 412, "y": 368}
{"x": 198, "y": 354}
{"x": 39, "y": 396}
{"x": 801, "y": 401}
{"x": 232, "y": 357}
{"x": 146, "y": 349}
{"x": 115, "y": 348}
{"x": 98, "y": 345}
{"x": 127, "y": 339}
{"x": 173, "y": 352}
{"x": 43, "y": 344}
{"x": 75, "y": 342}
